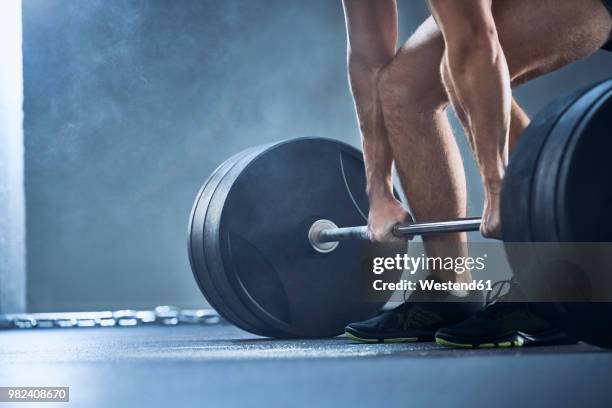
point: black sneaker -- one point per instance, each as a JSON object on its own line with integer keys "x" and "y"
{"x": 503, "y": 323}
{"x": 414, "y": 320}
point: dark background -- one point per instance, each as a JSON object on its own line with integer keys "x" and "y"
{"x": 129, "y": 105}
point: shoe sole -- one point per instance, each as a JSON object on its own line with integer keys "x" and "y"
{"x": 381, "y": 340}
{"x": 516, "y": 342}
{"x": 518, "y": 339}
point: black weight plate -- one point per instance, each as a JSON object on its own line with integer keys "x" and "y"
{"x": 556, "y": 188}
{"x": 582, "y": 200}
{"x": 519, "y": 192}
{"x": 257, "y": 227}
{"x": 569, "y": 200}
{"x": 584, "y": 196}
{"x": 213, "y": 262}
{"x": 516, "y": 200}
{"x": 196, "y": 244}
{"x": 517, "y": 185}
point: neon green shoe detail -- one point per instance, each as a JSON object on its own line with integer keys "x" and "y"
{"x": 487, "y": 345}
{"x": 359, "y": 339}
{"x": 446, "y": 343}
{"x": 402, "y": 340}
{"x": 517, "y": 342}
{"x": 393, "y": 340}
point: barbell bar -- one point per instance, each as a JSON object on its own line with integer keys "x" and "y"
{"x": 335, "y": 234}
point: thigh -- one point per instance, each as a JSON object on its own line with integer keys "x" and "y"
{"x": 371, "y": 29}
{"x": 539, "y": 36}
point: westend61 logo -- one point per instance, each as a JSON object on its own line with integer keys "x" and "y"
{"x": 412, "y": 264}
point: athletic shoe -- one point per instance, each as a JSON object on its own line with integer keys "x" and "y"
{"x": 415, "y": 320}
{"x": 503, "y": 323}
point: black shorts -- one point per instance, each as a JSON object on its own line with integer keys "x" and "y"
{"x": 608, "y": 4}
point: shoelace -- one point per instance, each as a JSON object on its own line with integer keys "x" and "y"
{"x": 498, "y": 290}
{"x": 496, "y": 307}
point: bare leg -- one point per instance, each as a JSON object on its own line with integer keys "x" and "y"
{"x": 428, "y": 161}
{"x": 474, "y": 57}
{"x": 518, "y": 118}
{"x": 426, "y": 155}
{"x": 518, "y": 123}
{"x": 372, "y": 37}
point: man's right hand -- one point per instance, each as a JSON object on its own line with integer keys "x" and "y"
{"x": 384, "y": 215}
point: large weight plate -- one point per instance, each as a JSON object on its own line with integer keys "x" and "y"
{"x": 256, "y": 234}
{"x": 197, "y": 256}
{"x": 576, "y": 156}
{"x": 558, "y": 185}
{"x": 516, "y": 193}
{"x": 214, "y": 264}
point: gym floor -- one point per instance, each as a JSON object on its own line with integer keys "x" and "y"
{"x": 220, "y": 365}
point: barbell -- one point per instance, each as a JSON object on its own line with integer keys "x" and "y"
{"x": 277, "y": 235}
{"x": 324, "y": 235}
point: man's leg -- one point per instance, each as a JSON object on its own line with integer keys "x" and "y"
{"x": 414, "y": 103}
{"x": 372, "y": 38}
{"x": 426, "y": 155}
{"x": 474, "y": 57}
{"x": 536, "y": 37}
{"x": 518, "y": 118}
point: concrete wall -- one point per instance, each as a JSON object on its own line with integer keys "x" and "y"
{"x": 12, "y": 222}
{"x": 131, "y": 104}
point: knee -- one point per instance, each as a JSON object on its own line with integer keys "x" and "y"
{"x": 411, "y": 86}
{"x": 366, "y": 66}
{"x": 475, "y": 42}
{"x": 363, "y": 73}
